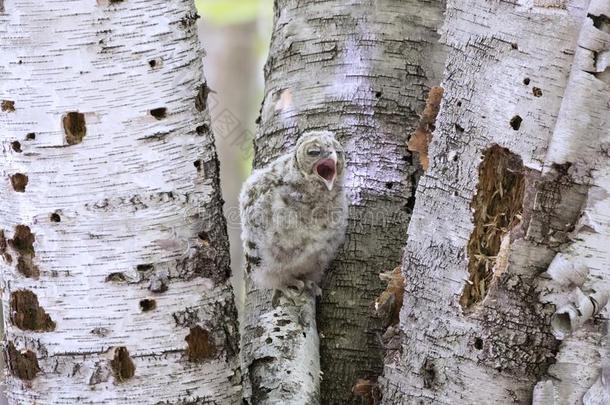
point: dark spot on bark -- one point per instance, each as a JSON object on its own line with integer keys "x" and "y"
{"x": 497, "y": 208}
{"x": 537, "y": 92}
{"x": 458, "y": 128}
{"x": 200, "y": 345}
{"x": 31, "y": 136}
{"x": 145, "y": 267}
{"x": 122, "y": 365}
{"x": 378, "y": 94}
{"x": 389, "y": 185}
{"x": 152, "y": 63}
{"x": 26, "y": 266}
{"x": 257, "y": 368}
{"x": 16, "y": 145}
{"x": 8, "y": 106}
{"x": 27, "y": 314}
{"x": 197, "y": 164}
{"x": 3, "y": 242}
{"x": 201, "y": 100}
{"x": 251, "y": 245}
{"x": 459, "y": 103}
{"x": 75, "y": 127}
{"x": 155, "y": 63}
{"x": 55, "y": 217}
{"x": 116, "y": 278}
{"x": 255, "y": 261}
{"x": 159, "y": 113}
{"x": 428, "y": 373}
{"x": 23, "y": 240}
{"x": 526, "y": 81}
{"x": 19, "y": 181}
{"x": 202, "y": 129}
{"x": 203, "y": 235}
{"x": 23, "y": 365}
{"x": 268, "y": 340}
{"x": 514, "y": 45}
{"x": 148, "y": 305}
{"x": 258, "y": 120}
{"x": 478, "y": 343}
{"x": 601, "y": 22}
{"x": 515, "y": 122}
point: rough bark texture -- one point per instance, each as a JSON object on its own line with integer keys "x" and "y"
{"x": 362, "y": 70}
{"x": 115, "y": 256}
{"x": 476, "y": 319}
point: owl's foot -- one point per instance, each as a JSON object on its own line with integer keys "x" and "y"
{"x": 314, "y": 288}
{"x": 293, "y": 293}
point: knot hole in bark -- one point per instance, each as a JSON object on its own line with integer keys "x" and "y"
{"x": 159, "y": 113}
{"x": 19, "y": 181}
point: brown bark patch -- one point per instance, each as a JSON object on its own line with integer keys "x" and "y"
{"x": 367, "y": 392}
{"x": 422, "y": 136}
{"x": 159, "y": 113}
{"x": 148, "y": 305}
{"x": 201, "y": 100}
{"x": 75, "y": 127}
{"x": 16, "y": 145}
{"x": 122, "y": 364}
{"x": 27, "y": 314}
{"x": 116, "y": 278}
{"x": 19, "y": 181}
{"x": 7, "y": 106}
{"x": 389, "y": 303}
{"x": 200, "y": 345}
{"x": 23, "y": 365}
{"x": 23, "y": 243}
{"x": 497, "y": 207}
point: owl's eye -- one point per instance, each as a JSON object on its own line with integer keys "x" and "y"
{"x": 314, "y": 152}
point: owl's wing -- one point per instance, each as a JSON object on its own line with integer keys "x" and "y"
{"x": 256, "y": 214}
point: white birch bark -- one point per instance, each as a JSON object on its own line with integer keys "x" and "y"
{"x": 361, "y": 69}
{"x": 527, "y": 76}
{"x": 115, "y": 256}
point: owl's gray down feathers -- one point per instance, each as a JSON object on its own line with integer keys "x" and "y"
{"x": 292, "y": 223}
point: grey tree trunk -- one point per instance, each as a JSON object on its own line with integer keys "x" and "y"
{"x": 114, "y": 249}
{"x": 507, "y": 260}
{"x": 362, "y": 70}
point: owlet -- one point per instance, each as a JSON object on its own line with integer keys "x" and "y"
{"x": 294, "y": 215}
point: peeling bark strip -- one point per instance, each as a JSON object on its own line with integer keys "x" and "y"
{"x": 497, "y": 350}
{"x": 122, "y": 365}
{"x": 117, "y": 138}
{"x": 27, "y": 314}
{"x": 23, "y": 365}
{"x": 497, "y": 207}
{"x": 422, "y": 136}
{"x": 372, "y": 72}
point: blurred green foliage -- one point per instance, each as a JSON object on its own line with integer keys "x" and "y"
{"x": 233, "y": 11}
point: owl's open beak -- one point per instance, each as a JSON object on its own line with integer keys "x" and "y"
{"x": 327, "y": 170}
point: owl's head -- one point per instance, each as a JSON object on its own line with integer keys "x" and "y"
{"x": 319, "y": 156}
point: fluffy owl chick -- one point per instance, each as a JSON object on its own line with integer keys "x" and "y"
{"x": 294, "y": 214}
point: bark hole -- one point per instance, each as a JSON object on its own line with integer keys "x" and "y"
{"x": 155, "y": 63}
{"x": 31, "y": 136}
{"x": 19, "y": 182}
{"x": 74, "y": 127}
{"x": 159, "y": 113}
{"x": 497, "y": 207}
{"x": 478, "y": 343}
{"x": 428, "y": 373}
{"x": 8, "y": 106}
{"x": 537, "y": 92}
{"x": 514, "y": 46}
{"x": 148, "y": 305}
{"x": 27, "y": 314}
{"x": 197, "y": 164}
{"x": 122, "y": 364}
{"x": 145, "y": 267}
{"x": 116, "y": 278}
{"x": 55, "y": 217}
{"x": 202, "y": 129}
{"x": 23, "y": 365}
{"x": 526, "y": 81}
{"x": 515, "y": 122}
{"x": 200, "y": 345}
{"x": 378, "y": 94}
{"x": 16, "y": 145}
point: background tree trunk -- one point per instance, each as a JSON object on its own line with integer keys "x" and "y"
{"x": 115, "y": 270}
{"x": 518, "y": 179}
{"x": 362, "y": 71}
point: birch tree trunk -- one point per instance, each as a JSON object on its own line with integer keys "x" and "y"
{"x": 508, "y": 244}
{"x": 362, "y": 70}
{"x": 115, "y": 256}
